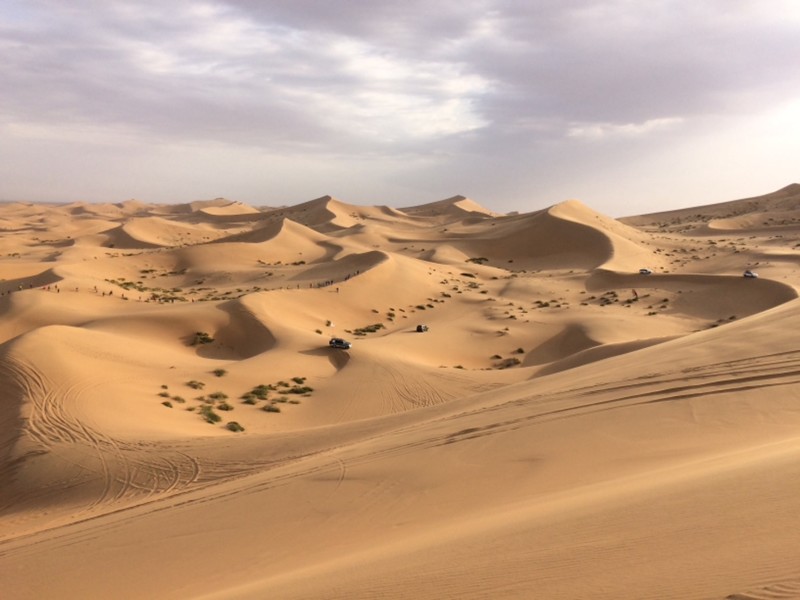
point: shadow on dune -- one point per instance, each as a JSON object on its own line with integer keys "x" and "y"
{"x": 703, "y": 296}
{"x": 337, "y": 358}
{"x": 42, "y": 279}
{"x": 243, "y": 336}
{"x": 11, "y": 423}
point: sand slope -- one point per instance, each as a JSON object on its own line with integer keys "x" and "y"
{"x": 566, "y": 427}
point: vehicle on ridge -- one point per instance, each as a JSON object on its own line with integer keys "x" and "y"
{"x": 339, "y": 343}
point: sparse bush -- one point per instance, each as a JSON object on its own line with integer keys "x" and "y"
{"x": 219, "y": 372}
{"x": 509, "y": 362}
{"x": 196, "y": 385}
{"x": 208, "y": 414}
{"x": 167, "y": 403}
{"x": 201, "y": 337}
{"x": 299, "y": 380}
{"x": 234, "y": 426}
{"x": 224, "y": 406}
{"x": 300, "y": 390}
{"x": 164, "y": 394}
{"x": 179, "y": 399}
{"x": 218, "y": 396}
{"x": 368, "y": 329}
{"x": 272, "y": 408}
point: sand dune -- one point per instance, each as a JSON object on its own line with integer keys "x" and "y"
{"x": 174, "y": 423}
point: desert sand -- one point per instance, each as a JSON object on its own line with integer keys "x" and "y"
{"x": 174, "y": 424}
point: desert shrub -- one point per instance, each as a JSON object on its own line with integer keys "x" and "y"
{"x": 219, "y": 372}
{"x": 519, "y": 351}
{"x": 196, "y": 385}
{"x": 509, "y": 362}
{"x": 164, "y": 394}
{"x": 179, "y": 399}
{"x": 272, "y": 408}
{"x": 300, "y": 389}
{"x": 201, "y": 337}
{"x": 208, "y": 414}
{"x": 167, "y": 403}
{"x": 368, "y": 329}
{"x": 250, "y": 398}
{"x": 224, "y": 406}
{"x": 478, "y": 260}
{"x": 261, "y": 391}
{"x": 299, "y": 380}
{"x": 234, "y": 426}
{"x": 164, "y": 386}
{"x": 218, "y": 396}
{"x": 496, "y": 357}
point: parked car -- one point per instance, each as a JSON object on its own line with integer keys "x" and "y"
{"x": 422, "y": 328}
{"x": 645, "y": 272}
{"x": 339, "y": 343}
{"x": 750, "y": 274}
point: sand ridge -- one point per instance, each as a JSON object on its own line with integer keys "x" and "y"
{"x": 565, "y": 427}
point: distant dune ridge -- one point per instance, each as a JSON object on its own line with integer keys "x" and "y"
{"x": 595, "y": 407}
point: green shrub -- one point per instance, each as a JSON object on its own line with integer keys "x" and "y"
{"x": 272, "y": 408}
{"x": 224, "y": 406}
{"x": 299, "y": 380}
{"x": 234, "y": 426}
{"x": 208, "y": 414}
{"x": 300, "y": 390}
{"x": 218, "y": 396}
{"x": 196, "y": 385}
{"x": 201, "y": 337}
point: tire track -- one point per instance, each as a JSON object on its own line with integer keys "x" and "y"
{"x": 128, "y": 472}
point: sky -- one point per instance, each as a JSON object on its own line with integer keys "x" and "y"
{"x": 628, "y": 106}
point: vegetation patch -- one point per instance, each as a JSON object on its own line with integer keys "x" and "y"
{"x": 368, "y": 329}
{"x": 201, "y": 337}
{"x": 208, "y": 414}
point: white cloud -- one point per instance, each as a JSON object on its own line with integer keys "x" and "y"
{"x": 599, "y": 131}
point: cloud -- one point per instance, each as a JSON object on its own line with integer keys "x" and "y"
{"x": 478, "y": 88}
{"x": 599, "y": 131}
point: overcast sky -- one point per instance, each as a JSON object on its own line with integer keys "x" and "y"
{"x": 630, "y": 106}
